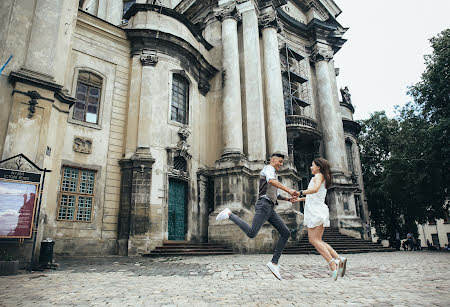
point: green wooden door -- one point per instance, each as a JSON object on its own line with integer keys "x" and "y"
{"x": 177, "y": 209}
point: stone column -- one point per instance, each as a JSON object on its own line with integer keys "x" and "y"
{"x": 149, "y": 75}
{"x": 232, "y": 114}
{"x": 254, "y": 108}
{"x": 275, "y": 119}
{"x": 330, "y": 115}
{"x": 43, "y": 39}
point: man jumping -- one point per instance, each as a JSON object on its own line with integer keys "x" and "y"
{"x": 264, "y": 209}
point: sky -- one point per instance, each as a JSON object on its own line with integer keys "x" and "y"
{"x": 385, "y": 48}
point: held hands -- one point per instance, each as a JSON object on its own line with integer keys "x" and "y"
{"x": 294, "y": 195}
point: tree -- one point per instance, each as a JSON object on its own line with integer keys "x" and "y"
{"x": 406, "y": 160}
{"x": 432, "y": 97}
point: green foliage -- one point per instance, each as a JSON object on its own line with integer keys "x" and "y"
{"x": 406, "y": 160}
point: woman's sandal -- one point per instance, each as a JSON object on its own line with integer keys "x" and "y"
{"x": 334, "y": 274}
{"x": 342, "y": 266}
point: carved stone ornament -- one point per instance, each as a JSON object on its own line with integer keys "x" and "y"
{"x": 321, "y": 55}
{"x": 33, "y": 101}
{"x": 149, "y": 59}
{"x": 82, "y": 145}
{"x": 182, "y": 145}
{"x": 268, "y": 20}
{"x": 228, "y": 11}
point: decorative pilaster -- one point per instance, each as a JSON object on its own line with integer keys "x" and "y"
{"x": 43, "y": 38}
{"x": 232, "y": 114}
{"x": 333, "y": 133}
{"x": 276, "y": 124}
{"x": 149, "y": 76}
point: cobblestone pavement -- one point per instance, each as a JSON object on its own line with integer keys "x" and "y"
{"x": 374, "y": 279}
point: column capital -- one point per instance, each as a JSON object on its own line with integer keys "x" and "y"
{"x": 269, "y": 20}
{"x": 149, "y": 59}
{"x": 227, "y": 11}
{"x": 321, "y": 54}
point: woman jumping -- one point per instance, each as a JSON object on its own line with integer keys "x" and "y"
{"x": 317, "y": 215}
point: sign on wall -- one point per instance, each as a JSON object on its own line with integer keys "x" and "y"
{"x": 19, "y": 192}
{"x": 17, "y": 206}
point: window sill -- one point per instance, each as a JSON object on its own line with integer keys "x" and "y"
{"x": 174, "y": 123}
{"x": 84, "y": 124}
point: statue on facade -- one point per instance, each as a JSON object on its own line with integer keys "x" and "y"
{"x": 346, "y": 97}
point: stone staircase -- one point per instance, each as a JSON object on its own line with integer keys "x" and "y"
{"x": 340, "y": 243}
{"x": 185, "y": 248}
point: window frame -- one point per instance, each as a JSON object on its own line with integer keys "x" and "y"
{"x": 76, "y": 194}
{"x": 182, "y": 75}
{"x": 351, "y": 157}
{"x": 101, "y": 102}
{"x": 125, "y": 21}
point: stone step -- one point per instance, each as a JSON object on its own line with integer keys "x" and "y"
{"x": 340, "y": 242}
{"x": 190, "y": 250}
{"x": 187, "y": 254}
{"x": 185, "y": 248}
{"x": 343, "y": 251}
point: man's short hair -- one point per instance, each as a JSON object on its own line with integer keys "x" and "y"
{"x": 277, "y": 155}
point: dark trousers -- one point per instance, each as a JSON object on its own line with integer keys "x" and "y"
{"x": 264, "y": 212}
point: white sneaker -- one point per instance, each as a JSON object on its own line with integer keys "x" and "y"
{"x": 275, "y": 269}
{"x": 223, "y": 215}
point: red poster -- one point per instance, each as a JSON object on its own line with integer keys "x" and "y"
{"x": 17, "y": 205}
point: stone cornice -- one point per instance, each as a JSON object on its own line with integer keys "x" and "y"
{"x": 190, "y": 58}
{"x": 328, "y": 31}
{"x": 42, "y": 81}
{"x": 139, "y": 7}
{"x": 351, "y": 127}
{"x": 348, "y": 106}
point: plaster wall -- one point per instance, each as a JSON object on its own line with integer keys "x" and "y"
{"x": 103, "y": 50}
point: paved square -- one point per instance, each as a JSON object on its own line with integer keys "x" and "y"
{"x": 374, "y": 279}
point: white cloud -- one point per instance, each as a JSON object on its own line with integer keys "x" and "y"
{"x": 8, "y": 221}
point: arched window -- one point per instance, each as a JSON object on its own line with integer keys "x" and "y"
{"x": 180, "y": 99}
{"x": 89, "y": 87}
{"x": 348, "y": 148}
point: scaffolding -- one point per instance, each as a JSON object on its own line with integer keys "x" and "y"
{"x": 295, "y": 83}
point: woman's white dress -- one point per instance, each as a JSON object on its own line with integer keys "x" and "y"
{"x": 316, "y": 211}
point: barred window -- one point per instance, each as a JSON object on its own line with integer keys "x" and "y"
{"x": 126, "y": 6}
{"x": 180, "y": 99}
{"x": 76, "y": 195}
{"x": 88, "y": 97}
{"x": 348, "y": 148}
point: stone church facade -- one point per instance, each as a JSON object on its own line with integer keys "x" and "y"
{"x": 155, "y": 115}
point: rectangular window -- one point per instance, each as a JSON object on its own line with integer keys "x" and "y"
{"x": 348, "y": 147}
{"x": 180, "y": 95}
{"x": 76, "y": 194}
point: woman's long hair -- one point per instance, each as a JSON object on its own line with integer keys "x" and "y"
{"x": 324, "y": 167}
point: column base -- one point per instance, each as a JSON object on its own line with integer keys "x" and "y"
{"x": 231, "y": 159}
